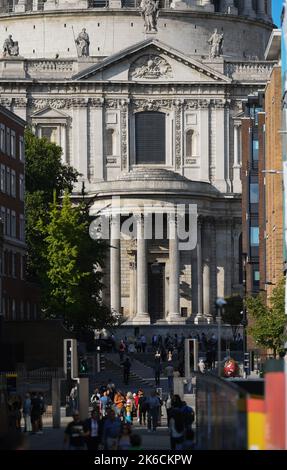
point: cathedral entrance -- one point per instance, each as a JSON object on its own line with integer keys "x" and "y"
{"x": 156, "y": 278}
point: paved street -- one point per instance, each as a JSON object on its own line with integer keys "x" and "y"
{"x": 52, "y": 439}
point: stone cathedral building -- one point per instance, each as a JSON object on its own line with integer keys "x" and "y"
{"x": 145, "y": 98}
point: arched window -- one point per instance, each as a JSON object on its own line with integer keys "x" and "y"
{"x": 111, "y": 142}
{"x": 190, "y": 143}
{"x": 150, "y": 137}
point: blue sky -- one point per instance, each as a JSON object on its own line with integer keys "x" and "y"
{"x": 276, "y": 10}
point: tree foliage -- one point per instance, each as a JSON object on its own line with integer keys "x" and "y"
{"x": 62, "y": 257}
{"x": 44, "y": 174}
{"x": 232, "y": 313}
{"x": 73, "y": 280}
{"x": 269, "y": 323}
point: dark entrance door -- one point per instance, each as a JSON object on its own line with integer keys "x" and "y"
{"x": 156, "y": 291}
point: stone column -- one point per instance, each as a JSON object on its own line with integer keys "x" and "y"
{"x": 21, "y": 6}
{"x": 248, "y": 8}
{"x": 261, "y": 9}
{"x": 206, "y": 277}
{"x": 142, "y": 317}
{"x": 174, "y": 269}
{"x": 199, "y": 316}
{"x": 115, "y": 266}
{"x": 230, "y": 7}
{"x": 237, "y": 187}
{"x": 269, "y": 10}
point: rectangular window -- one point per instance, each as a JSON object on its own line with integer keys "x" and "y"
{"x": 13, "y": 144}
{"x": 8, "y": 223}
{"x": 254, "y": 193}
{"x": 254, "y": 236}
{"x": 255, "y": 150}
{"x": 14, "y": 265}
{"x": 3, "y": 178}
{"x": 50, "y": 133}
{"x": 13, "y": 224}
{"x": 3, "y": 219}
{"x": 21, "y": 187}
{"x": 8, "y": 142}
{"x": 13, "y": 309}
{"x": 22, "y": 310}
{"x": 22, "y": 228}
{"x": 13, "y": 183}
{"x": 2, "y": 138}
{"x": 22, "y": 264}
{"x": 256, "y": 276}
{"x": 21, "y": 148}
{"x": 28, "y": 310}
{"x": 8, "y": 181}
{"x": 150, "y": 137}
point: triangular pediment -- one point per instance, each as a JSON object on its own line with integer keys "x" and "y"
{"x": 49, "y": 113}
{"x": 150, "y": 61}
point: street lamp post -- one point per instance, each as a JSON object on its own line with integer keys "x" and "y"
{"x": 219, "y": 306}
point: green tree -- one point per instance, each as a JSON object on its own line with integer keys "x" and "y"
{"x": 73, "y": 281}
{"x": 269, "y": 323}
{"x": 44, "y": 174}
{"x": 232, "y": 313}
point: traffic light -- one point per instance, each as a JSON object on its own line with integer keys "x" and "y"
{"x": 83, "y": 365}
{"x": 70, "y": 358}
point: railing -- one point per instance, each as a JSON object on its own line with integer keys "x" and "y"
{"x": 35, "y": 65}
{"x": 248, "y": 70}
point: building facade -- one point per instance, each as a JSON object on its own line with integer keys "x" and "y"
{"x": 18, "y": 298}
{"x": 145, "y": 99}
{"x": 262, "y": 181}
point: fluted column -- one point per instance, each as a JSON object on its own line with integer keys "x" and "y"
{"x": 21, "y": 6}
{"x": 248, "y": 8}
{"x": 142, "y": 316}
{"x": 174, "y": 269}
{"x": 261, "y": 9}
{"x": 115, "y": 265}
{"x": 199, "y": 316}
{"x": 269, "y": 9}
{"x": 206, "y": 277}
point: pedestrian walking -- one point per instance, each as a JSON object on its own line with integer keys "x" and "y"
{"x": 153, "y": 411}
{"x": 126, "y": 370}
{"x": 169, "y": 373}
{"x": 74, "y": 437}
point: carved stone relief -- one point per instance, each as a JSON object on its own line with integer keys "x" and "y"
{"x": 150, "y": 67}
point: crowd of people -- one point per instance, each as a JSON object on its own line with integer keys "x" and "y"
{"x": 26, "y": 414}
{"x": 114, "y": 414}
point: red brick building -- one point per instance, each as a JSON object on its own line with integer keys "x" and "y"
{"x": 18, "y": 298}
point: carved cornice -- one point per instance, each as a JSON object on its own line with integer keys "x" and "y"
{"x": 151, "y": 105}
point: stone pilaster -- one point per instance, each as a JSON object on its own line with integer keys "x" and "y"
{"x": 237, "y": 186}
{"x": 115, "y": 267}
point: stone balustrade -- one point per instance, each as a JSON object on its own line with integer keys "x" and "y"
{"x": 227, "y": 7}
{"x": 248, "y": 70}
